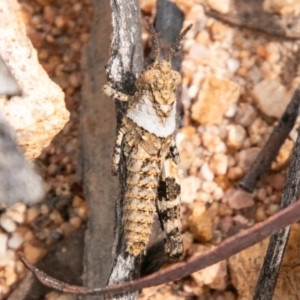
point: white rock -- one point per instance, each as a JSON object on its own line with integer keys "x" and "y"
{"x": 233, "y": 64}
{"x": 219, "y": 164}
{"x": 3, "y": 243}
{"x": 236, "y": 136}
{"x": 209, "y": 186}
{"x": 189, "y": 187}
{"x": 15, "y": 241}
{"x": 17, "y": 212}
{"x": 204, "y": 197}
{"x": 221, "y": 6}
{"x": 230, "y": 113}
{"x": 206, "y": 172}
{"x": 7, "y": 223}
{"x": 272, "y": 97}
{"x": 218, "y": 193}
{"x": 8, "y": 258}
{"x": 215, "y": 276}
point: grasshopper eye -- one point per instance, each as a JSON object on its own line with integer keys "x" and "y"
{"x": 176, "y": 77}
{"x": 150, "y": 75}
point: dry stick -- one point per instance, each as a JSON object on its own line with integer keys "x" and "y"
{"x": 268, "y": 276}
{"x": 229, "y": 247}
{"x": 125, "y": 65}
{"x": 272, "y": 146}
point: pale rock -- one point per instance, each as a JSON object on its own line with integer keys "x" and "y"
{"x": 244, "y": 278}
{"x": 206, "y": 172}
{"x": 233, "y": 65}
{"x": 4, "y": 289}
{"x": 283, "y": 157}
{"x": 32, "y": 213}
{"x": 230, "y": 113}
{"x": 204, "y": 197}
{"x": 8, "y": 258}
{"x": 221, "y": 6}
{"x": 199, "y": 52}
{"x": 241, "y": 220}
{"x": 277, "y": 181}
{"x": 236, "y": 136}
{"x": 209, "y": 186}
{"x": 214, "y": 99}
{"x": 200, "y": 223}
{"x": 147, "y": 6}
{"x": 219, "y": 164}
{"x": 272, "y": 209}
{"x": 203, "y": 38}
{"x": 235, "y": 173}
{"x": 53, "y": 295}
{"x": 218, "y": 193}
{"x": 271, "y": 97}
{"x": 3, "y": 243}
{"x": 189, "y": 187}
{"x": 82, "y": 211}
{"x": 214, "y": 276}
{"x": 44, "y": 209}
{"x": 40, "y": 112}
{"x": 17, "y": 212}
{"x": 15, "y": 241}
{"x": 282, "y": 7}
{"x": 10, "y": 275}
{"x": 239, "y": 199}
{"x": 260, "y": 214}
{"x": 245, "y": 115}
{"x": 60, "y": 21}
{"x": 255, "y": 74}
{"x": 75, "y": 222}
{"x": 7, "y": 223}
{"x": 213, "y": 143}
{"x": 225, "y": 224}
{"x": 75, "y": 79}
{"x": 77, "y": 7}
{"x": 246, "y": 157}
{"x": 218, "y": 31}
{"x": 49, "y": 13}
{"x": 32, "y": 253}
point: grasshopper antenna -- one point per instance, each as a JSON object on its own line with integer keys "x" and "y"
{"x": 176, "y": 44}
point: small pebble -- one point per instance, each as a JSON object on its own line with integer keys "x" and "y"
{"x": 15, "y": 241}
{"x": 3, "y": 243}
{"x": 7, "y": 223}
{"x": 206, "y": 172}
{"x": 240, "y": 199}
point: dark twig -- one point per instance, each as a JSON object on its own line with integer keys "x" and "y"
{"x": 268, "y": 276}
{"x": 272, "y": 146}
{"x": 226, "y": 249}
{"x": 123, "y": 68}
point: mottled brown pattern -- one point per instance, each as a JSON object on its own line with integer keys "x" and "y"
{"x": 145, "y": 154}
{"x": 145, "y": 139}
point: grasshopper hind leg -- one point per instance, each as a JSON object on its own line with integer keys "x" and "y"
{"x": 168, "y": 207}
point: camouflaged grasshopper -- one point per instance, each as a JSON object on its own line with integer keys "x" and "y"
{"x": 145, "y": 138}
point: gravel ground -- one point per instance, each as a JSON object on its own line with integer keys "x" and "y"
{"x": 236, "y": 84}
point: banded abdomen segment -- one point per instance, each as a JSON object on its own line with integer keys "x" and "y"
{"x": 142, "y": 180}
{"x": 168, "y": 207}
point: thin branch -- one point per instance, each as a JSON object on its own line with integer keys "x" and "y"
{"x": 123, "y": 68}
{"x": 268, "y": 276}
{"x": 226, "y": 249}
{"x": 272, "y": 146}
